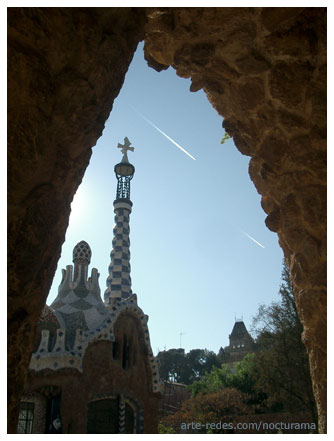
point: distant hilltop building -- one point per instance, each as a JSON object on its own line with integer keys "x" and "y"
{"x": 92, "y": 369}
{"x": 241, "y": 344}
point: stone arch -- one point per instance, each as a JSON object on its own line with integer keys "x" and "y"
{"x": 121, "y": 401}
{"x": 264, "y": 71}
{"x": 271, "y": 93}
{"x": 138, "y": 411}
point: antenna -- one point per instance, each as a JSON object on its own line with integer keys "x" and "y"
{"x": 181, "y": 333}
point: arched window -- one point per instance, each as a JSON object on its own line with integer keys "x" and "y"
{"x": 110, "y": 415}
{"x": 102, "y": 416}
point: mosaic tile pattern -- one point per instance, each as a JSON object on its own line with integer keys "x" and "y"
{"x": 83, "y": 317}
{"x": 79, "y": 304}
{"x": 48, "y": 316}
{"x": 119, "y": 280}
{"x": 62, "y": 356}
{"x": 82, "y": 252}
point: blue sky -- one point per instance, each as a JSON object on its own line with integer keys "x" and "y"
{"x": 192, "y": 267}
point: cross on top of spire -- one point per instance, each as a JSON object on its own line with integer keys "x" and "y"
{"x": 125, "y": 149}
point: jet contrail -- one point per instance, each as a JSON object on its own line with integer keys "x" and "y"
{"x": 164, "y": 134}
{"x": 252, "y": 238}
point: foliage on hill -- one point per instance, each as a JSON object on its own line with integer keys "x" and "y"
{"x": 200, "y": 411}
{"x": 274, "y": 378}
{"x": 181, "y": 367}
{"x": 282, "y": 368}
{"x": 240, "y": 376}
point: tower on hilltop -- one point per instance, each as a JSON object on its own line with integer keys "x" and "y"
{"x": 119, "y": 280}
{"x": 241, "y": 344}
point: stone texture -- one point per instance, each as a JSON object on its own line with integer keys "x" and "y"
{"x": 263, "y": 70}
{"x": 65, "y": 68}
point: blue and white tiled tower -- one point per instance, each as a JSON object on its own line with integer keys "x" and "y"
{"x": 119, "y": 280}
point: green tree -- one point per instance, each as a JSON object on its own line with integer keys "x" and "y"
{"x": 176, "y": 365}
{"x": 281, "y": 364}
{"x": 172, "y": 365}
{"x": 240, "y": 376}
{"x": 221, "y": 406}
{"x": 163, "y": 428}
{"x": 200, "y": 361}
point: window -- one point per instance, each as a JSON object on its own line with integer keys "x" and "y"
{"x": 115, "y": 350}
{"x": 126, "y": 353}
{"x": 26, "y": 417}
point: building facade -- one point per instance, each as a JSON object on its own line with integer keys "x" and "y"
{"x": 92, "y": 369}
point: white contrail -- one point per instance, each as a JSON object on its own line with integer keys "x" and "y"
{"x": 252, "y": 238}
{"x": 164, "y": 134}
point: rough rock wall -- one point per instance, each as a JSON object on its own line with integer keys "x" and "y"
{"x": 264, "y": 71}
{"x": 65, "y": 68}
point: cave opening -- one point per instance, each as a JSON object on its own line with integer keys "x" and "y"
{"x": 175, "y": 203}
{"x": 265, "y": 72}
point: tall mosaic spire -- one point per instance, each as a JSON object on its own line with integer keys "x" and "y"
{"x": 119, "y": 280}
